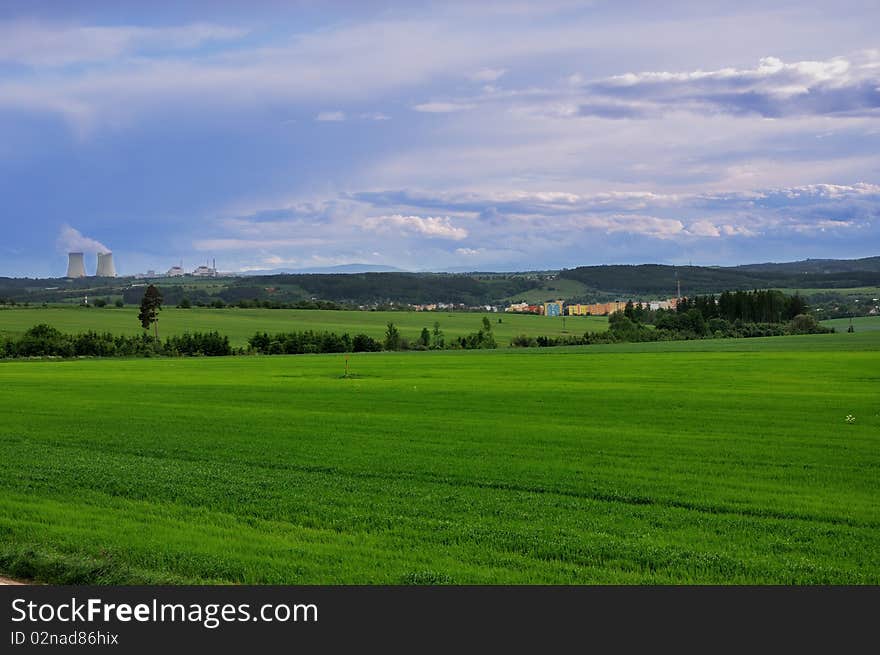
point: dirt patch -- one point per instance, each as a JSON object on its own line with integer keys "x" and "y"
{"x": 10, "y": 581}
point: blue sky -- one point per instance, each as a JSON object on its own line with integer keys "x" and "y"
{"x": 438, "y": 136}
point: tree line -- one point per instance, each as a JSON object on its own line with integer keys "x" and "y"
{"x": 658, "y": 279}
{"x": 46, "y": 341}
{"x": 309, "y": 341}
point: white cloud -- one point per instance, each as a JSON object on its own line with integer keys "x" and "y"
{"x": 330, "y": 116}
{"x": 773, "y": 88}
{"x": 737, "y": 230}
{"x": 439, "y": 227}
{"x": 128, "y": 71}
{"x": 442, "y": 107}
{"x": 640, "y": 224}
{"x": 49, "y": 45}
{"x": 703, "y": 229}
{"x": 486, "y": 75}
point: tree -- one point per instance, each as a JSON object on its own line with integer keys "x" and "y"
{"x": 438, "y": 342}
{"x": 483, "y": 338}
{"x": 425, "y": 338}
{"x": 486, "y": 338}
{"x": 151, "y": 303}
{"x": 392, "y": 337}
{"x": 804, "y": 324}
{"x": 796, "y": 306}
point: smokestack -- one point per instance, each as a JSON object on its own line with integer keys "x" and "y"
{"x": 105, "y": 265}
{"x": 76, "y": 266}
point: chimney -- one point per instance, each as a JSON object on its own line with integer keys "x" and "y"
{"x": 76, "y": 266}
{"x": 105, "y": 265}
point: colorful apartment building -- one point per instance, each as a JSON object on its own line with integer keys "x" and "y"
{"x": 559, "y": 308}
{"x": 553, "y": 308}
{"x": 596, "y": 309}
{"x": 525, "y": 308}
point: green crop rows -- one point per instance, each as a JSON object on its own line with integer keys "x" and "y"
{"x": 689, "y": 462}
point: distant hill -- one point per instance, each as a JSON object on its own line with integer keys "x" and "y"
{"x": 659, "y": 279}
{"x": 343, "y": 268}
{"x": 824, "y": 266}
{"x": 352, "y": 285}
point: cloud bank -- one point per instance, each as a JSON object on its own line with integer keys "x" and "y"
{"x": 524, "y": 134}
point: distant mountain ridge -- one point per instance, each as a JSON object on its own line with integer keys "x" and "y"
{"x": 869, "y": 264}
{"x": 370, "y": 284}
{"x": 661, "y": 278}
{"x": 342, "y": 268}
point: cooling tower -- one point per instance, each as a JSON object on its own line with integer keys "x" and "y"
{"x": 76, "y": 266}
{"x": 105, "y": 265}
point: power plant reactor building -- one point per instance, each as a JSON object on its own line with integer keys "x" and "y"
{"x": 76, "y": 266}
{"x": 105, "y": 265}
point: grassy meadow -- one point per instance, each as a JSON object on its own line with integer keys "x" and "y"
{"x": 240, "y": 324}
{"x": 686, "y": 462}
{"x": 859, "y": 323}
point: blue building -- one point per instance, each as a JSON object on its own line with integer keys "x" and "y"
{"x": 553, "y": 308}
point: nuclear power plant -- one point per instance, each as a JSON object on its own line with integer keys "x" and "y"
{"x": 105, "y": 265}
{"x": 76, "y": 266}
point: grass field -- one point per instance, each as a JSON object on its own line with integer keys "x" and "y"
{"x": 552, "y": 290}
{"x": 240, "y": 324}
{"x": 844, "y": 291}
{"x": 859, "y": 323}
{"x": 686, "y": 462}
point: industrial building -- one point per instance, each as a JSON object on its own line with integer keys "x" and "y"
{"x": 204, "y": 271}
{"x": 105, "y": 265}
{"x": 76, "y": 265}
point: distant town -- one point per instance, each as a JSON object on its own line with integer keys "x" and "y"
{"x": 554, "y": 307}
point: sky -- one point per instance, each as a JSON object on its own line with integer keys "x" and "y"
{"x": 437, "y": 136}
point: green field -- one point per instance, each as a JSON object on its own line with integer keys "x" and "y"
{"x": 686, "y": 462}
{"x": 559, "y": 288}
{"x": 240, "y": 324}
{"x": 859, "y": 323}
{"x": 843, "y": 291}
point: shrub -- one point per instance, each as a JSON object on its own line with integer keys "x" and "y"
{"x": 364, "y": 343}
{"x": 806, "y": 324}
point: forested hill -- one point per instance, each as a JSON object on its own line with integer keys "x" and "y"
{"x": 661, "y": 279}
{"x": 582, "y": 284}
{"x": 822, "y": 266}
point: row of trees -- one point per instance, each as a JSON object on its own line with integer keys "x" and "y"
{"x": 768, "y": 306}
{"x": 299, "y": 343}
{"x": 677, "y": 327}
{"x": 46, "y": 341}
{"x": 296, "y": 343}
